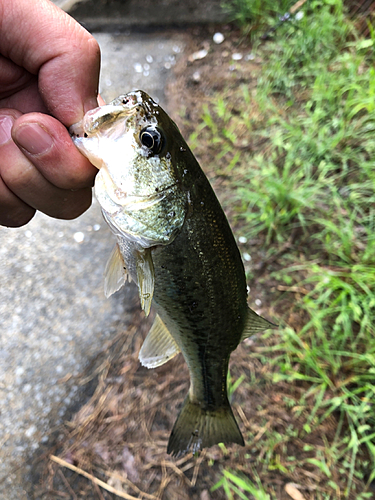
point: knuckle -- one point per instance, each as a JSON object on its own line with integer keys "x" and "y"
{"x": 74, "y": 205}
{"x": 16, "y": 217}
{"x": 18, "y": 177}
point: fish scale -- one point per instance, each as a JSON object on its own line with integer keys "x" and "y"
{"x": 217, "y": 325}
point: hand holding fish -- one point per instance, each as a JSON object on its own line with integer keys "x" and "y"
{"x": 49, "y": 69}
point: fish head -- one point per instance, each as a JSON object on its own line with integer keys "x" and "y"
{"x": 131, "y": 142}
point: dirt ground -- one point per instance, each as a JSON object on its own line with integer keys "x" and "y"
{"x": 118, "y": 438}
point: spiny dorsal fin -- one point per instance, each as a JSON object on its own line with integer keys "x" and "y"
{"x": 159, "y": 346}
{"x": 115, "y": 272}
{"x": 255, "y": 323}
{"x": 145, "y": 278}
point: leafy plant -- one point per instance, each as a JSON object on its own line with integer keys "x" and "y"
{"x": 241, "y": 487}
{"x": 296, "y": 56}
{"x": 245, "y": 12}
{"x": 275, "y": 200}
{"x": 233, "y": 384}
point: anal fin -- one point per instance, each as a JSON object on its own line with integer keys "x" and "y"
{"x": 159, "y": 346}
{"x": 115, "y": 272}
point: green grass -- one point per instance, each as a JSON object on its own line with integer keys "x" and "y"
{"x": 232, "y": 483}
{"x": 252, "y": 13}
{"x": 300, "y": 48}
{"x": 308, "y": 179}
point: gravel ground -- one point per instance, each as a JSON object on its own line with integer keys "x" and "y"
{"x": 53, "y": 314}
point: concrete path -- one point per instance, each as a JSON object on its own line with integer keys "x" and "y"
{"x": 104, "y": 15}
{"x": 53, "y": 314}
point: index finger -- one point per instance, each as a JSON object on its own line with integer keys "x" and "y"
{"x": 43, "y": 39}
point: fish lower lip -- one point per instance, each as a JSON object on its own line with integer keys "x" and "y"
{"x": 76, "y": 129}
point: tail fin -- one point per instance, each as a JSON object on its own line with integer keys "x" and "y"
{"x": 196, "y": 428}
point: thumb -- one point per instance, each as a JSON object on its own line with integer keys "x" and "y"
{"x": 62, "y": 53}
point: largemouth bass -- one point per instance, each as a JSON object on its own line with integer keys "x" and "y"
{"x": 174, "y": 241}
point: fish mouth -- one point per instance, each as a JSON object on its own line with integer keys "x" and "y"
{"x": 124, "y": 106}
{"x": 97, "y": 118}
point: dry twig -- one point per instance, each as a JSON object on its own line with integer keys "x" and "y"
{"x": 92, "y": 478}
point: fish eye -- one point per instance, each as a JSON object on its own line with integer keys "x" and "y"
{"x": 152, "y": 139}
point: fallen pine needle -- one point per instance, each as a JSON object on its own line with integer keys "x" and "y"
{"x": 178, "y": 471}
{"x": 197, "y": 466}
{"x": 293, "y": 492}
{"x": 115, "y": 475}
{"x": 293, "y": 289}
{"x": 92, "y": 478}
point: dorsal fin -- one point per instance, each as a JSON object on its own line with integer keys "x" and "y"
{"x": 159, "y": 346}
{"x": 115, "y": 272}
{"x": 255, "y": 323}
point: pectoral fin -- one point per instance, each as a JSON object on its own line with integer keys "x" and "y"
{"x": 115, "y": 273}
{"x": 255, "y": 323}
{"x": 145, "y": 278}
{"x": 159, "y": 346}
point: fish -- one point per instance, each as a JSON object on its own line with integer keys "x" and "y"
{"x": 174, "y": 241}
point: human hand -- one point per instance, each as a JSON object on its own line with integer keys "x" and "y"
{"x": 49, "y": 72}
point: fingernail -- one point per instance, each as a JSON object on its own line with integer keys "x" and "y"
{"x": 6, "y": 124}
{"x": 33, "y": 138}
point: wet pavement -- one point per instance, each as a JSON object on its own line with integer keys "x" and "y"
{"x": 54, "y": 317}
{"x": 135, "y": 61}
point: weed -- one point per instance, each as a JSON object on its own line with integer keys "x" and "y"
{"x": 309, "y": 179}
{"x": 296, "y": 57}
{"x": 233, "y": 385}
{"x": 275, "y": 200}
{"x": 241, "y": 487}
{"x": 252, "y": 12}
